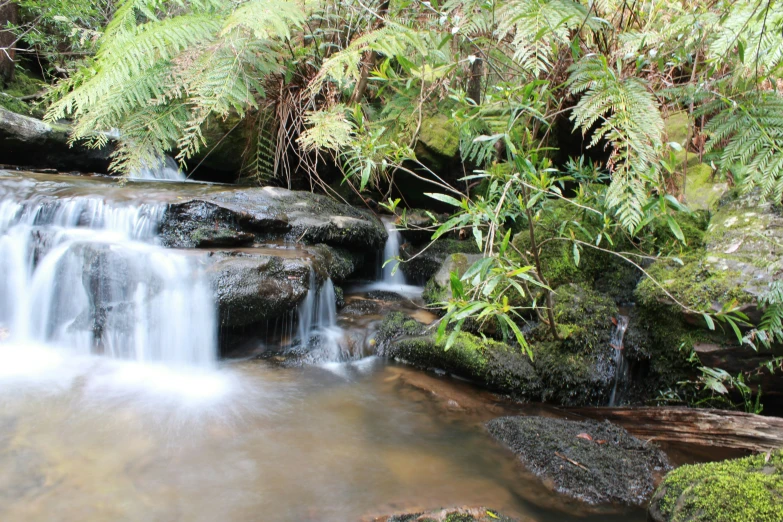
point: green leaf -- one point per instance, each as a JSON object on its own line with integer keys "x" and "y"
{"x": 457, "y": 290}
{"x": 675, "y": 228}
{"x": 504, "y": 244}
{"x": 444, "y": 198}
{"x": 709, "y": 321}
{"x": 576, "y": 254}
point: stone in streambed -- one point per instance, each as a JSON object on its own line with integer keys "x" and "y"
{"x": 464, "y": 514}
{"x": 597, "y": 463}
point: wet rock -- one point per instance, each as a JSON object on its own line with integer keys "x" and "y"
{"x": 750, "y": 488}
{"x": 383, "y": 295}
{"x": 597, "y": 463}
{"x": 220, "y": 237}
{"x": 255, "y": 287}
{"x": 271, "y": 213}
{"x": 464, "y": 514}
{"x": 489, "y": 363}
{"x": 30, "y": 142}
{"x": 339, "y": 263}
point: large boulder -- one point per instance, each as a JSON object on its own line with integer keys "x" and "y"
{"x": 268, "y": 213}
{"x": 438, "y": 288}
{"x": 424, "y": 261}
{"x": 597, "y": 463}
{"x": 737, "y": 490}
{"x": 30, "y": 142}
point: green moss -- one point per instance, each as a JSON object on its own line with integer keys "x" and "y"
{"x": 696, "y": 284}
{"x": 735, "y": 490}
{"x": 439, "y": 134}
{"x": 22, "y": 85}
{"x": 495, "y": 365}
{"x": 676, "y": 127}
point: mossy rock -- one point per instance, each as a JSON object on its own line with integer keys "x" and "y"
{"x": 739, "y": 490}
{"x": 579, "y": 368}
{"x": 21, "y": 86}
{"x": 489, "y": 363}
{"x": 438, "y": 288}
{"x": 438, "y": 139}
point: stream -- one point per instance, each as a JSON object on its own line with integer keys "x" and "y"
{"x": 139, "y": 420}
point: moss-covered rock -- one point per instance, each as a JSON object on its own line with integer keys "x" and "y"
{"x": 597, "y": 463}
{"x": 438, "y": 288}
{"x": 438, "y": 141}
{"x": 737, "y": 490}
{"x": 495, "y": 365}
{"x": 15, "y": 95}
{"x": 578, "y": 369}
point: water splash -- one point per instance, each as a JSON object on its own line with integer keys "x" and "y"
{"x": 620, "y": 362}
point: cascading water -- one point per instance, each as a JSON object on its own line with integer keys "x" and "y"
{"x": 85, "y": 275}
{"x": 165, "y": 169}
{"x": 621, "y": 363}
{"x": 392, "y": 275}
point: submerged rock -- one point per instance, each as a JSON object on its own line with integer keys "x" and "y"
{"x": 597, "y": 463}
{"x": 736, "y": 490}
{"x": 449, "y": 515}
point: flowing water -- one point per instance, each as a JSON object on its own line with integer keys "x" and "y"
{"x": 620, "y": 362}
{"x": 166, "y": 169}
{"x": 113, "y": 406}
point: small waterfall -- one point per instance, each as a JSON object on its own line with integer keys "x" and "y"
{"x": 165, "y": 169}
{"x": 392, "y": 275}
{"x": 621, "y": 363}
{"x": 85, "y": 275}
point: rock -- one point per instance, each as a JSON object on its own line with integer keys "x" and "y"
{"x": 422, "y": 263}
{"x": 597, "y": 463}
{"x": 270, "y": 213}
{"x": 221, "y": 237}
{"x": 251, "y": 288}
{"x": 492, "y": 364}
{"x": 438, "y": 289}
{"x": 30, "y": 142}
{"x": 743, "y": 254}
{"x": 744, "y": 489}
{"x": 419, "y": 226}
{"x": 339, "y": 263}
{"x": 448, "y": 515}
{"x": 580, "y": 368}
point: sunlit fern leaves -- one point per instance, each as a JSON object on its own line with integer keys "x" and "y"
{"x": 747, "y": 132}
{"x": 625, "y": 114}
{"x": 168, "y": 66}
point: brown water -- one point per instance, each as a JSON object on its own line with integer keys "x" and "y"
{"x": 89, "y": 440}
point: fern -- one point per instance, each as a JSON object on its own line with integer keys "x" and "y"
{"x": 165, "y": 66}
{"x": 622, "y": 112}
{"x": 747, "y": 133}
{"x": 538, "y": 26}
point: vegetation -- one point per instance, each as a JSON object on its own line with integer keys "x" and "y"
{"x": 554, "y": 107}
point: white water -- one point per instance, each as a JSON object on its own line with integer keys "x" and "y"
{"x": 165, "y": 169}
{"x": 84, "y": 276}
{"x": 392, "y": 275}
{"x": 621, "y": 363}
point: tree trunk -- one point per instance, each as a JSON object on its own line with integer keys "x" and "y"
{"x": 369, "y": 58}
{"x": 475, "y": 81}
{"x": 726, "y": 429}
{"x": 9, "y": 14}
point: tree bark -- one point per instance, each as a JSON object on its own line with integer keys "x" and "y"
{"x": 9, "y": 14}
{"x": 726, "y": 429}
{"x": 370, "y": 57}
{"x": 475, "y": 81}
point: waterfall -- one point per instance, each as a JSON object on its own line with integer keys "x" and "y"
{"x": 392, "y": 275}
{"x": 621, "y": 363}
{"x": 164, "y": 169}
{"x": 85, "y": 275}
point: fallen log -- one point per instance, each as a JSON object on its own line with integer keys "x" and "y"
{"x": 727, "y": 429}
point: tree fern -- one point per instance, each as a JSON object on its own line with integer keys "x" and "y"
{"x": 622, "y": 112}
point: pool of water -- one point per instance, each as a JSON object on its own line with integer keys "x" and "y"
{"x": 89, "y": 439}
